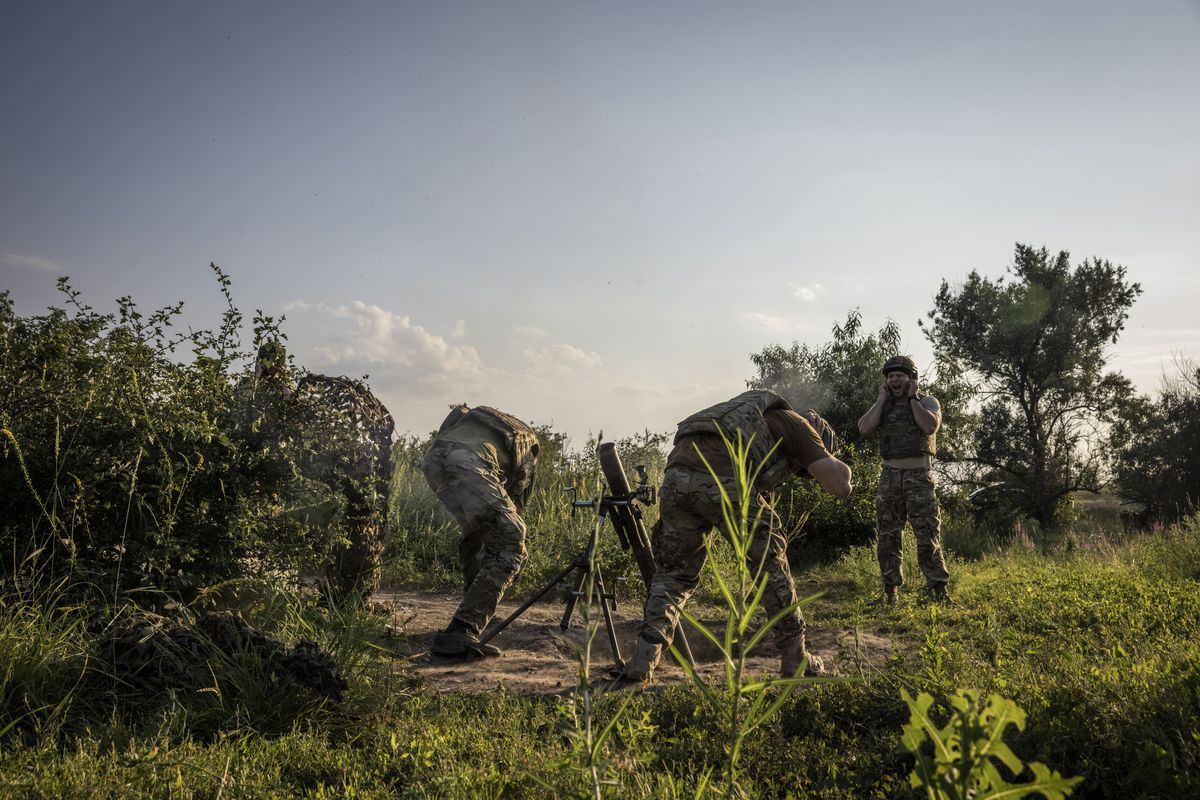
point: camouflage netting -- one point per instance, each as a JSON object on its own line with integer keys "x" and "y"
{"x": 156, "y": 653}
{"x": 350, "y": 440}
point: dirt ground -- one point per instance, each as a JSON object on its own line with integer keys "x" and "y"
{"x": 540, "y": 658}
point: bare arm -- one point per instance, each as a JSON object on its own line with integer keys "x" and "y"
{"x": 927, "y": 413}
{"x": 833, "y": 475}
{"x": 868, "y": 423}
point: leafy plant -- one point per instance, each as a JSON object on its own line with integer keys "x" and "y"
{"x": 962, "y": 760}
{"x": 128, "y": 466}
{"x": 1157, "y": 446}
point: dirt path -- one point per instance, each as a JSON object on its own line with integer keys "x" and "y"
{"x": 542, "y": 659}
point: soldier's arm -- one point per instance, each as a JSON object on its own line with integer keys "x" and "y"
{"x": 868, "y": 423}
{"x": 927, "y": 413}
{"x": 833, "y": 475}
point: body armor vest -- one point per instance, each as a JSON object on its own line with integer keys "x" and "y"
{"x": 520, "y": 440}
{"x": 899, "y": 435}
{"x": 744, "y": 413}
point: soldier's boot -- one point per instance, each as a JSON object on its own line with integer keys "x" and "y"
{"x": 456, "y": 640}
{"x": 640, "y": 666}
{"x": 794, "y": 656}
{"x": 890, "y": 596}
{"x": 939, "y": 594}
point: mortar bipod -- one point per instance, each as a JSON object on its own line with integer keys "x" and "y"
{"x": 584, "y": 566}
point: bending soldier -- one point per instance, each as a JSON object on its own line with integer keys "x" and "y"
{"x": 481, "y": 467}
{"x": 690, "y": 503}
{"x": 907, "y": 422}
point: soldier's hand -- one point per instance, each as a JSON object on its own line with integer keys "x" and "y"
{"x": 883, "y": 391}
{"x": 912, "y": 388}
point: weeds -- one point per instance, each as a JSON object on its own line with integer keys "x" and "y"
{"x": 967, "y": 750}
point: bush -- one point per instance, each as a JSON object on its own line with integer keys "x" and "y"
{"x": 125, "y": 462}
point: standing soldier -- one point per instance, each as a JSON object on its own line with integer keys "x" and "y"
{"x": 481, "y": 466}
{"x": 907, "y": 422}
{"x": 690, "y": 503}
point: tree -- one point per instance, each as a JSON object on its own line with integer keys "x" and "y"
{"x": 1033, "y": 344}
{"x": 1156, "y": 446}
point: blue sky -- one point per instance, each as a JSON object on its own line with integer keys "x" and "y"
{"x": 590, "y": 214}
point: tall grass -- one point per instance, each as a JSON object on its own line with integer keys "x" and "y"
{"x": 45, "y": 660}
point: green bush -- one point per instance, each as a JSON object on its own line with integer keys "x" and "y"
{"x": 125, "y": 455}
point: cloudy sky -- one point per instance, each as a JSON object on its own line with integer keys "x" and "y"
{"x": 590, "y": 214}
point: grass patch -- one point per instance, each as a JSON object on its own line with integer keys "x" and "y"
{"x": 1100, "y": 647}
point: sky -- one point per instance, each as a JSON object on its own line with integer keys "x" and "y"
{"x": 591, "y": 214}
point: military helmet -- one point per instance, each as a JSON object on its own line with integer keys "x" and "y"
{"x": 271, "y": 358}
{"x": 902, "y": 364}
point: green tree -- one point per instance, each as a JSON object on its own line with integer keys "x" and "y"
{"x": 1156, "y": 446}
{"x": 1033, "y": 345}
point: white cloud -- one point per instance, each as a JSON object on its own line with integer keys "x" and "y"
{"x": 417, "y": 360}
{"x": 460, "y": 329}
{"x": 807, "y": 294}
{"x": 528, "y": 332}
{"x": 561, "y": 360}
{"x": 29, "y": 262}
{"x": 767, "y": 321}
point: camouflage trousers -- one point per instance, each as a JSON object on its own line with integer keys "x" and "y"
{"x": 353, "y": 569}
{"x": 492, "y": 547}
{"x": 907, "y": 495}
{"x": 691, "y": 507}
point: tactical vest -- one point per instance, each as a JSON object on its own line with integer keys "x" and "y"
{"x": 520, "y": 441}
{"x": 745, "y": 413}
{"x": 899, "y": 435}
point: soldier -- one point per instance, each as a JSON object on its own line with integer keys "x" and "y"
{"x": 691, "y": 506}
{"x": 907, "y": 422}
{"x": 334, "y": 430}
{"x": 481, "y": 466}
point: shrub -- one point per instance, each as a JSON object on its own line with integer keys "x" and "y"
{"x": 126, "y": 461}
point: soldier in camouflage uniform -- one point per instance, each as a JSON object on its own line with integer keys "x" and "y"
{"x": 907, "y": 422}
{"x": 691, "y": 506}
{"x": 481, "y": 466}
{"x": 334, "y": 430}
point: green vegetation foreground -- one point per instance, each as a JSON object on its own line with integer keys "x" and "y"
{"x": 1100, "y": 648}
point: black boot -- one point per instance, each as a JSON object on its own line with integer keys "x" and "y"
{"x": 457, "y": 640}
{"x": 939, "y": 594}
